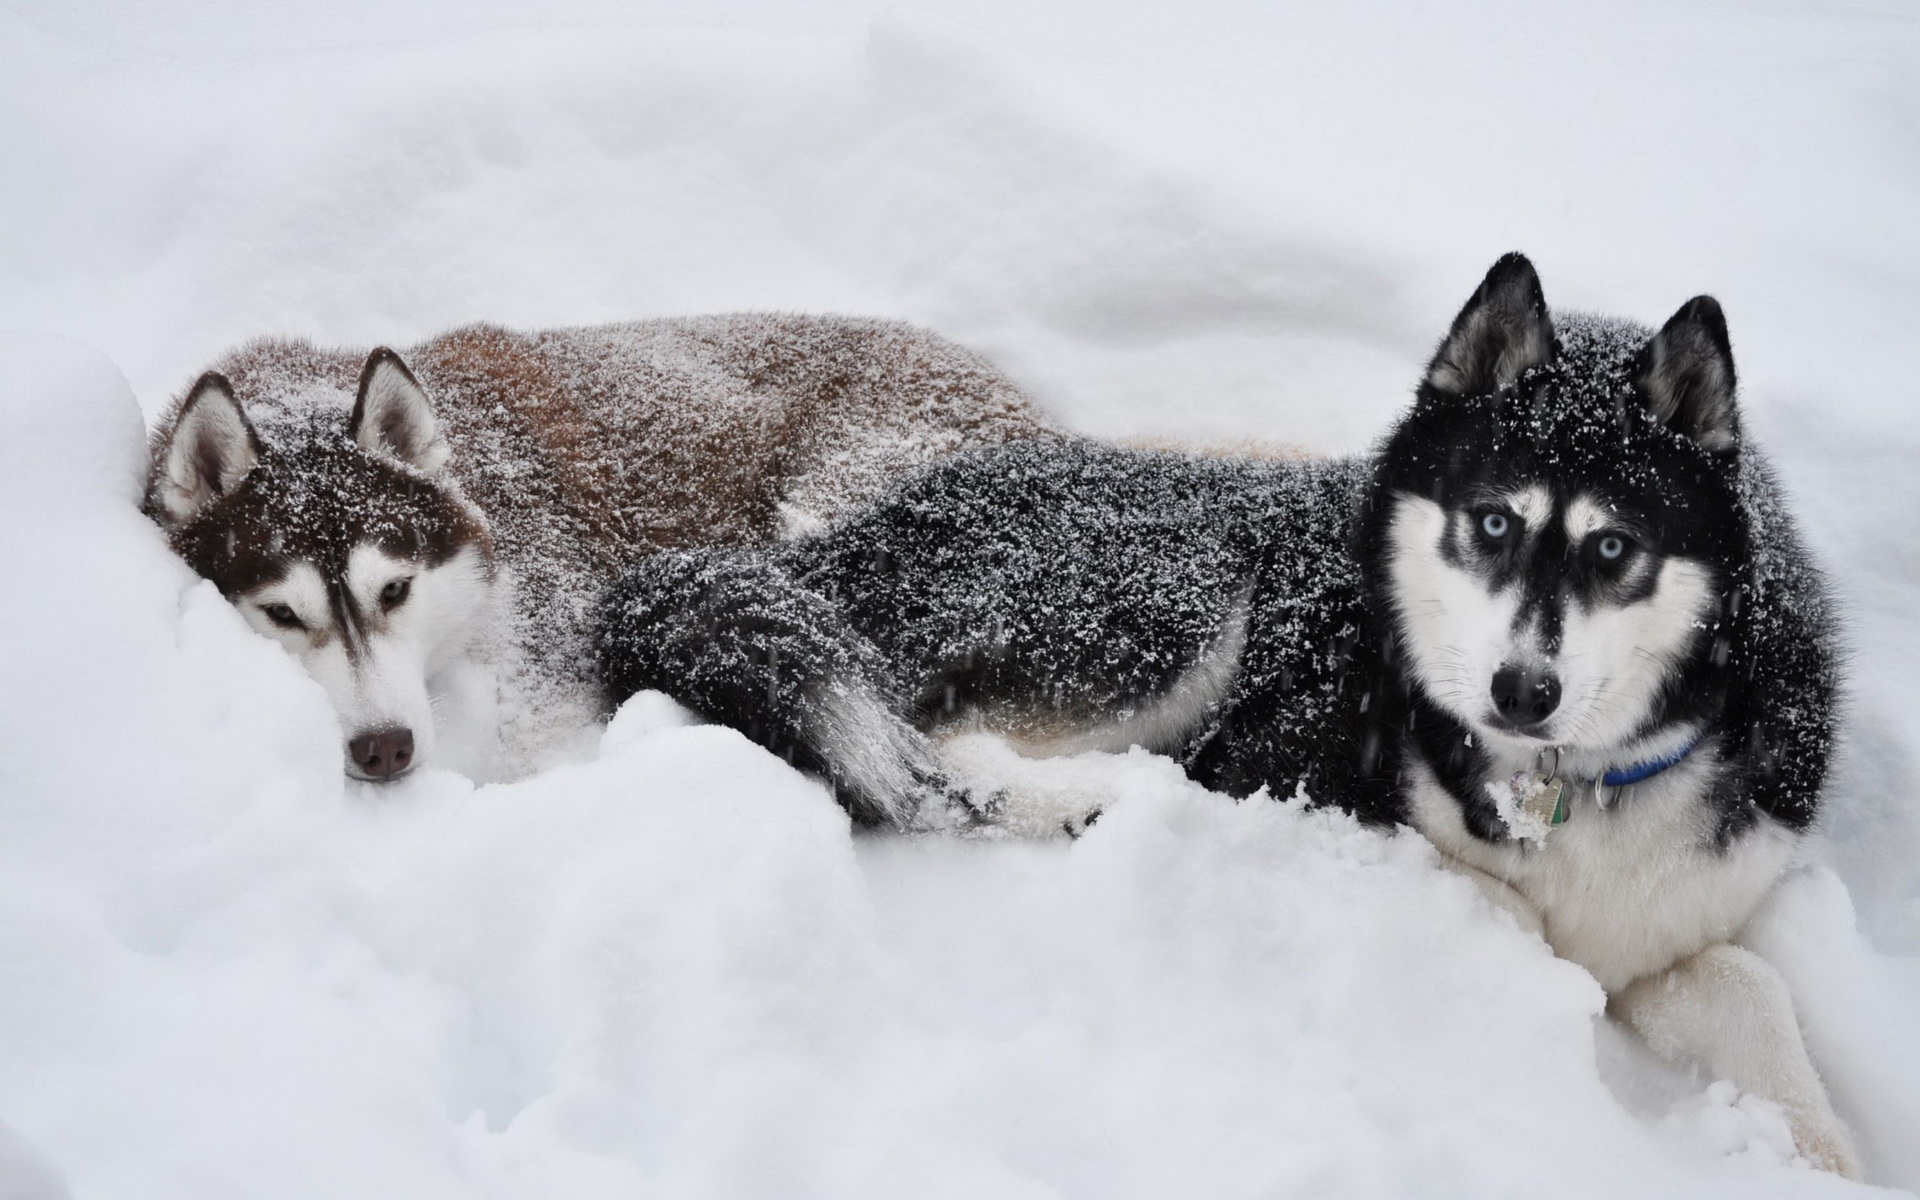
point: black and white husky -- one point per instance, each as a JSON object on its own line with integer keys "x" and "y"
{"x": 1559, "y": 623}
{"x": 389, "y": 524}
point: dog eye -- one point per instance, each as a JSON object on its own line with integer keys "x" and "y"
{"x": 1494, "y": 524}
{"x": 1611, "y": 547}
{"x": 394, "y": 594}
{"x": 282, "y": 616}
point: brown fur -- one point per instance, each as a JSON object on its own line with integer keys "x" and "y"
{"x": 587, "y": 448}
{"x": 633, "y": 449}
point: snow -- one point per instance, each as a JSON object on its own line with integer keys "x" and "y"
{"x": 673, "y": 970}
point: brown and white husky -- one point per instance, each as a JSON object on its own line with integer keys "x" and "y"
{"x": 393, "y": 521}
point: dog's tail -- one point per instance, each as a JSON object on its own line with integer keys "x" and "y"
{"x": 731, "y": 635}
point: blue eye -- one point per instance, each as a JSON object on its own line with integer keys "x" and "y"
{"x": 1612, "y": 547}
{"x": 1494, "y": 524}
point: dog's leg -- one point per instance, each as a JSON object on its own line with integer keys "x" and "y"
{"x": 1728, "y": 1009}
{"x": 732, "y": 636}
{"x": 1502, "y": 894}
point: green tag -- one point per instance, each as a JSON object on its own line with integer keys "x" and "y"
{"x": 1544, "y": 798}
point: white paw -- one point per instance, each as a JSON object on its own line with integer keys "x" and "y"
{"x": 1823, "y": 1139}
{"x": 1031, "y": 797}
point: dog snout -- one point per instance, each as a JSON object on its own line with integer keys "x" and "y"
{"x": 1525, "y": 696}
{"x": 382, "y": 754}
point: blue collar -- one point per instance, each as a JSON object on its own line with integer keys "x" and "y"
{"x": 1647, "y": 770}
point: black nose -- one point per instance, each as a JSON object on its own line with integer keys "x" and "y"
{"x": 1524, "y": 696}
{"x": 382, "y": 753}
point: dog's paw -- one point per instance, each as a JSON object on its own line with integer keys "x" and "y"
{"x": 1078, "y": 824}
{"x": 937, "y": 804}
{"x": 1025, "y": 810}
{"x": 1823, "y": 1139}
{"x": 1027, "y": 797}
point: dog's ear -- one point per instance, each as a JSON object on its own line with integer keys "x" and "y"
{"x": 204, "y": 456}
{"x": 393, "y": 418}
{"x": 1502, "y": 333}
{"x": 1685, "y": 377}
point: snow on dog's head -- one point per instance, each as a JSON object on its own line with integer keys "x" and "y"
{"x": 1559, "y": 524}
{"x": 338, "y": 535}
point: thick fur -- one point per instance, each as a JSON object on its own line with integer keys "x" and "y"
{"x": 390, "y": 518}
{"x": 1058, "y": 593}
{"x": 1563, "y": 554}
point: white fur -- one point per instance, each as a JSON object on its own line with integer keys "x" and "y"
{"x": 1632, "y": 885}
{"x": 874, "y": 752}
{"x": 886, "y": 760}
{"x": 1167, "y": 720}
{"x": 1586, "y": 517}
{"x": 1610, "y": 661}
{"x": 1637, "y": 893}
{"x": 1034, "y": 797}
{"x": 1726, "y": 1009}
{"x": 1614, "y": 659}
{"x": 1729, "y": 1009}
{"x": 1533, "y": 505}
{"x": 1627, "y": 890}
{"x": 1456, "y": 633}
{"x": 388, "y": 679}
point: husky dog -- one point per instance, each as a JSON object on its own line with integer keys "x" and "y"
{"x": 367, "y": 513}
{"x": 1559, "y": 622}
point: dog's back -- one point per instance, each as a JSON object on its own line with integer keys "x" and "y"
{"x": 594, "y": 443}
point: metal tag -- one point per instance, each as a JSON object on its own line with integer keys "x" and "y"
{"x": 1532, "y": 802}
{"x": 1542, "y": 797}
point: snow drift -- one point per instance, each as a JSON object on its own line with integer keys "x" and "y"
{"x": 671, "y": 968}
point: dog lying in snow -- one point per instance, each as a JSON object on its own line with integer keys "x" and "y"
{"x": 1559, "y": 622}
{"x": 369, "y": 512}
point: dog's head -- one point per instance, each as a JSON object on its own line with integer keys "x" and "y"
{"x": 339, "y": 536}
{"x": 1557, "y": 526}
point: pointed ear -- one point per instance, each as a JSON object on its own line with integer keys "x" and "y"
{"x": 1685, "y": 376}
{"x": 204, "y": 456}
{"x": 393, "y": 418}
{"x": 1502, "y": 333}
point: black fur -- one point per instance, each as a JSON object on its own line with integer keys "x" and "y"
{"x": 732, "y": 635}
{"x": 1073, "y": 582}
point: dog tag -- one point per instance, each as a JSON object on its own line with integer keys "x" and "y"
{"x": 1530, "y": 803}
{"x": 1542, "y": 797}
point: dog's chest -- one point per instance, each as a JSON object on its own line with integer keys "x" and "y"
{"x": 1628, "y": 890}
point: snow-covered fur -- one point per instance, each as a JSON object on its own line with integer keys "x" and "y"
{"x": 1563, "y": 558}
{"x": 391, "y": 520}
